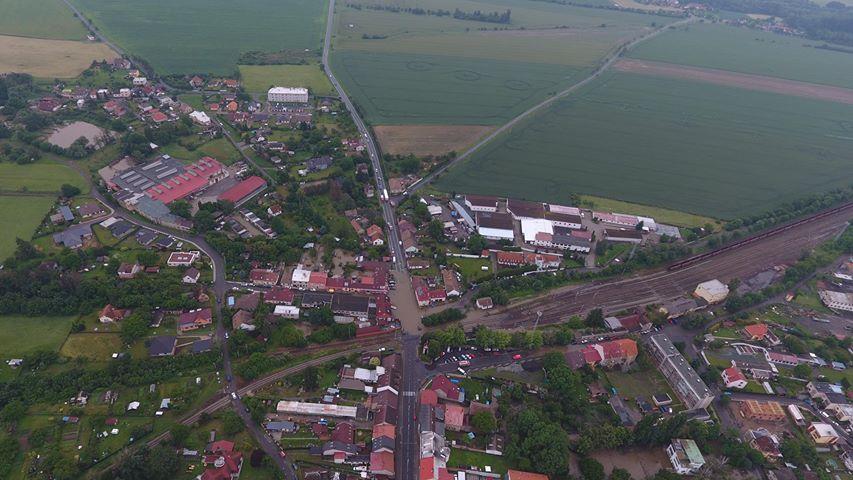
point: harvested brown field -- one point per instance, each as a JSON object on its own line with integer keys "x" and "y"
{"x": 49, "y": 58}
{"x": 428, "y": 139}
{"x": 739, "y": 80}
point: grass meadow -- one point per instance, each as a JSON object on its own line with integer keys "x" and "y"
{"x": 259, "y": 78}
{"x": 206, "y": 36}
{"x": 419, "y": 69}
{"x": 21, "y": 335}
{"x": 42, "y": 176}
{"x": 705, "y": 149}
{"x": 19, "y": 218}
{"x": 49, "y": 19}
{"x": 749, "y": 51}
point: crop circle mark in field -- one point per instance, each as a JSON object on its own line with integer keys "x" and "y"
{"x": 467, "y": 75}
{"x": 517, "y": 85}
{"x": 419, "y": 66}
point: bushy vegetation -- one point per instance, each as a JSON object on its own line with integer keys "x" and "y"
{"x": 445, "y": 316}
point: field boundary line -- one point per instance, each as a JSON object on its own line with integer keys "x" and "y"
{"x": 506, "y": 127}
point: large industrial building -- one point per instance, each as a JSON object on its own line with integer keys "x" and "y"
{"x": 678, "y": 372}
{"x": 288, "y": 95}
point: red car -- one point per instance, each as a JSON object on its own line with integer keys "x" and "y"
{"x": 517, "y": 356}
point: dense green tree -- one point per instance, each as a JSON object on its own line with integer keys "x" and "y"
{"x": 232, "y": 424}
{"x": 68, "y": 190}
{"x": 484, "y": 422}
{"x": 591, "y": 469}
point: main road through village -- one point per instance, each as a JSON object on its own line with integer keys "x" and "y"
{"x": 555, "y": 306}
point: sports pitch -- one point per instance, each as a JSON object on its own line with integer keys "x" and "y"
{"x": 206, "y": 36}
{"x": 706, "y": 149}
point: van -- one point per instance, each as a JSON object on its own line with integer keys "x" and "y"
{"x": 234, "y": 395}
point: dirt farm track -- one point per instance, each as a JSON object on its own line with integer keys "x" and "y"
{"x": 614, "y": 295}
{"x": 739, "y": 80}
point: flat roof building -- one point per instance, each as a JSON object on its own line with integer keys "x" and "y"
{"x": 287, "y": 95}
{"x": 316, "y": 409}
{"x": 677, "y": 370}
{"x": 495, "y": 226}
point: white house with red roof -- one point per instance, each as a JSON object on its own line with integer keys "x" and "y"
{"x": 734, "y": 378}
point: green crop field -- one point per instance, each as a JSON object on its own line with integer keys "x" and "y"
{"x": 421, "y": 69}
{"x": 19, "y": 218}
{"x": 23, "y": 335}
{"x": 711, "y": 150}
{"x": 49, "y": 19}
{"x": 749, "y": 51}
{"x": 259, "y": 78}
{"x": 432, "y": 89}
{"x": 42, "y": 176}
{"x": 206, "y": 36}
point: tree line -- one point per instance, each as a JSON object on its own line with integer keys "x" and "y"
{"x": 474, "y": 16}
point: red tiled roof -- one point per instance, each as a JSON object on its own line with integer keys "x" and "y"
{"x": 622, "y": 348}
{"x": 200, "y": 316}
{"x": 427, "y": 468}
{"x": 757, "y": 330}
{"x": 384, "y": 430}
{"x": 590, "y": 355}
{"x": 263, "y": 275}
{"x": 243, "y": 189}
{"x": 443, "y": 384}
{"x": 343, "y": 432}
{"x": 381, "y": 462}
{"x": 429, "y": 397}
{"x": 158, "y": 116}
{"x": 279, "y": 295}
{"x": 195, "y": 177}
{"x": 454, "y": 416}
{"x": 520, "y": 475}
{"x": 733, "y": 374}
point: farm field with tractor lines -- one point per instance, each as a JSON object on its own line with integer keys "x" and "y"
{"x": 427, "y": 70}
{"x": 750, "y": 51}
{"x": 706, "y": 149}
{"x": 206, "y": 36}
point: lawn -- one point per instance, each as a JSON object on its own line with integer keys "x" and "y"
{"x": 750, "y": 51}
{"x": 661, "y": 215}
{"x": 710, "y": 150}
{"x": 41, "y": 19}
{"x": 466, "y": 458}
{"x": 259, "y": 78}
{"x": 639, "y": 384}
{"x": 42, "y": 176}
{"x": 471, "y": 268}
{"x": 206, "y": 36}
{"x": 423, "y": 69}
{"x": 24, "y": 335}
{"x": 19, "y": 218}
{"x": 218, "y": 148}
{"x": 93, "y": 346}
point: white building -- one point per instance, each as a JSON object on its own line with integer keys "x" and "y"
{"x": 822, "y": 433}
{"x": 481, "y": 203}
{"x": 300, "y": 278}
{"x": 531, "y": 228}
{"x": 200, "y": 117}
{"x": 286, "y": 311}
{"x": 837, "y": 300}
{"x": 712, "y": 291}
{"x": 140, "y": 81}
{"x": 288, "y": 95}
{"x": 495, "y": 226}
{"x": 734, "y": 378}
{"x": 316, "y": 409}
{"x": 685, "y": 456}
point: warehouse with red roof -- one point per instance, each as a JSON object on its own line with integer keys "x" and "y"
{"x": 244, "y": 190}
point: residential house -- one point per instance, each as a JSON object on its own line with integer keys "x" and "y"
{"x": 194, "y": 319}
{"x": 265, "y": 277}
{"x": 111, "y": 314}
{"x": 451, "y": 283}
{"x": 485, "y": 303}
{"x": 454, "y": 417}
{"x": 162, "y": 346}
{"x": 127, "y": 271}
{"x": 374, "y": 234}
{"x": 222, "y": 462}
{"x": 279, "y": 296}
{"x": 183, "y": 259}
{"x": 243, "y": 320}
{"x": 191, "y": 276}
{"x": 765, "y": 442}
{"x": 447, "y": 390}
{"x": 734, "y": 378}
{"x": 827, "y": 394}
{"x": 822, "y": 433}
{"x": 685, "y": 456}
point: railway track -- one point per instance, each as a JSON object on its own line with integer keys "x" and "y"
{"x": 781, "y": 245}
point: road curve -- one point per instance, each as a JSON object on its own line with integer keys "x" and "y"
{"x": 608, "y": 62}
